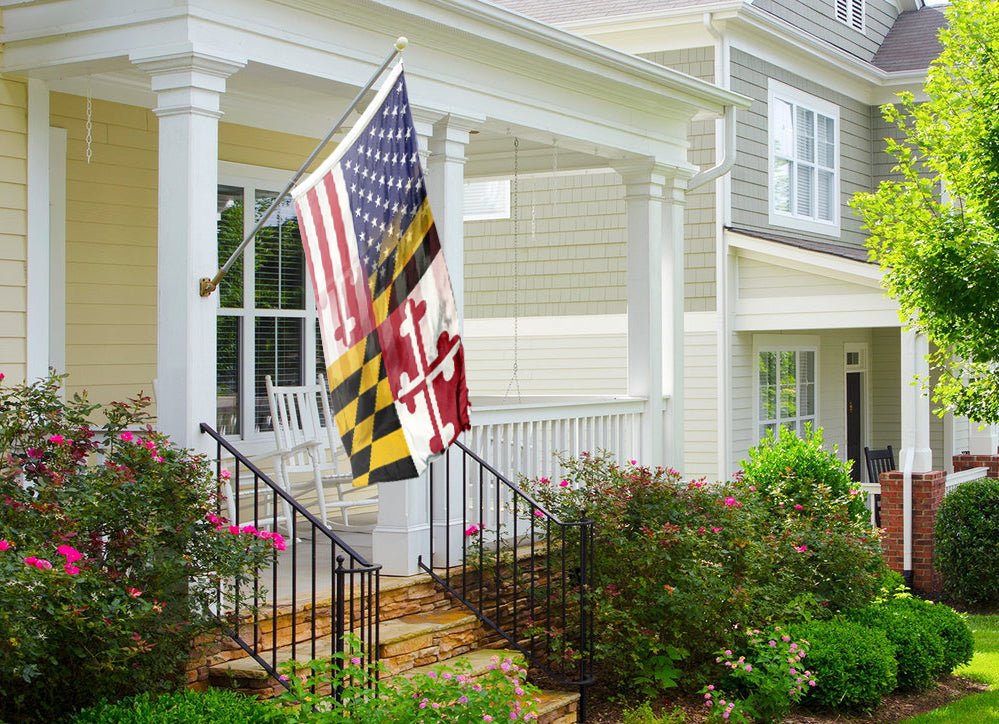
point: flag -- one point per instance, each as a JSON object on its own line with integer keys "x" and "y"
{"x": 389, "y": 325}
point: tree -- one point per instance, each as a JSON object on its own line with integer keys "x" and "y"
{"x": 935, "y": 228}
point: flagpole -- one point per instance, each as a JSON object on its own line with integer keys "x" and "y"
{"x": 206, "y": 285}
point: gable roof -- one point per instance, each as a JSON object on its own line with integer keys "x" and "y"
{"x": 560, "y": 11}
{"x": 912, "y": 42}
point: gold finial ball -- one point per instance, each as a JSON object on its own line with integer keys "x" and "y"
{"x": 401, "y": 42}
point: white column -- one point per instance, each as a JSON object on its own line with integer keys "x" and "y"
{"x": 38, "y": 274}
{"x": 915, "y": 454}
{"x": 402, "y": 533}
{"x": 654, "y": 196}
{"x": 982, "y": 439}
{"x": 188, "y": 86}
{"x": 446, "y": 187}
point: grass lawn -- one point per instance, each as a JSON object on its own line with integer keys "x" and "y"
{"x": 984, "y": 668}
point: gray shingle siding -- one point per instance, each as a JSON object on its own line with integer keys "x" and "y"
{"x": 750, "y": 188}
{"x": 818, "y": 18}
{"x": 700, "y": 211}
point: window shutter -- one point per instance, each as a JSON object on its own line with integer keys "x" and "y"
{"x": 843, "y": 11}
{"x": 857, "y": 14}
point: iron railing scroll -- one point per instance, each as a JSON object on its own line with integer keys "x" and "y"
{"x": 314, "y": 592}
{"x": 519, "y": 568}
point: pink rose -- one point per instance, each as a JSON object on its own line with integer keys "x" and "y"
{"x": 56, "y": 439}
{"x": 133, "y": 592}
{"x": 564, "y": 484}
{"x": 71, "y": 554}
{"x": 126, "y": 436}
{"x": 71, "y": 569}
{"x": 4, "y": 545}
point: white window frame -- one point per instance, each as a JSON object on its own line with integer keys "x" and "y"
{"x": 852, "y": 13}
{"x": 791, "y": 219}
{"x": 500, "y": 190}
{"x": 252, "y": 179}
{"x": 784, "y": 343}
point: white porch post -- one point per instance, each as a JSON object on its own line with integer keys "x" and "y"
{"x": 188, "y": 86}
{"x": 654, "y": 195}
{"x": 982, "y": 440}
{"x": 446, "y": 187}
{"x": 916, "y": 455}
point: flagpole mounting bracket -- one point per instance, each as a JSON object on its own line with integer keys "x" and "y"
{"x": 206, "y": 286}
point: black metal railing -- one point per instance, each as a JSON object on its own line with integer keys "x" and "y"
{"x": 520, "y": 569}
{"x": 314, "y": 592}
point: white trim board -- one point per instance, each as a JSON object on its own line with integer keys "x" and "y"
{"x": 551, "y": 326}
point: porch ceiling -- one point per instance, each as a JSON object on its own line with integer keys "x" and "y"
{"x": 305, "y": 59}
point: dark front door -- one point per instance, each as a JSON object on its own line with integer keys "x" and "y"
{"x": 853, "y": 432}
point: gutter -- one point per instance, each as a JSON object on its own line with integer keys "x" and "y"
{"x": 728, "y": 159}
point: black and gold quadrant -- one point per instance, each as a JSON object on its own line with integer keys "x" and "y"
{"x": 366, "y": 416}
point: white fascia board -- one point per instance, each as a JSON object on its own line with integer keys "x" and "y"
{"x": 825, "y": 319}
{"x": 805, "y": 260}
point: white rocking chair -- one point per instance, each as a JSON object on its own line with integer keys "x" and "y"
{"x": 308, "y": 443}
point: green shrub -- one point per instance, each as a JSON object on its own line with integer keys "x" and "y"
{"x": 953, "y": 630}
{"x": 109, "y": 556}
{"x": 214, "y": 706}
{"x": 967, "y": 543}
{"x": 919, "y": 648}
{"x": 680, "y": 565}
{"x": 789, "y": 470}
{"x": 854, "y": 665}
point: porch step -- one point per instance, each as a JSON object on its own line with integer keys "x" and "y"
{"x": 558, "y": 707}
{"x": 405, "y": 643}
{"x": 479, "y": 660}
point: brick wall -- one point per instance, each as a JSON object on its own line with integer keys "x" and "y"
{"x": 927, "y": 493}
{"x": 966, "y": 462}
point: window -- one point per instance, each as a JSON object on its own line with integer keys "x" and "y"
{"x": 486, "y": 200}
{"x": 266, "y": 312}
{"x": 786, "y": 389}
{"x": 851, "y": 12}
{"x": 804, "y": 161}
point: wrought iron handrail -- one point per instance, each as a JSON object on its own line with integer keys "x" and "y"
{"x": 514, "y": 564}
{"x": 353, "y": 596}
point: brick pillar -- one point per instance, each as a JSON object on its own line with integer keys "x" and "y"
{"x": 927, "y": 493}
{"x": 966, "y": 462}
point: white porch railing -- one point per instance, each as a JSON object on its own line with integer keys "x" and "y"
{"x": 522, "y": 439}
{"x": 956, "y": 479}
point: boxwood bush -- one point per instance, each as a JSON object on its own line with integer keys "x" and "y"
{"x": 214, "y": 706}
{"x": 967, "y": 543}
{"x": 854, "y": 665}
{"x": 953, "y": 630}
{"x": 919, "y": 647}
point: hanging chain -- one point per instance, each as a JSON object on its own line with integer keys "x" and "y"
{"x": 90, "y": 123}
{"x": 514, "y": 379}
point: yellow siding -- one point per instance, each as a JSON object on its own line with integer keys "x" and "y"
{"x": 111, "y": 216}
{"x": 110, "y": 247}
{"x": 13, "y": 222}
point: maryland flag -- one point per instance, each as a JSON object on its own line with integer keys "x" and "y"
{"x": 386, "y": 310}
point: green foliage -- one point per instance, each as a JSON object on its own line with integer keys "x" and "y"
{"x": 939, "y": 253}
{"x": 762, "y": 683}
{"x": 214, "y": 706}
{"x": 679, "y": 564}
{"x": 789, "y": 470}
{"x": 953, "y": 630}
{"x": 643, "y": 714}
{"x": 447, "y": 694}
{"x": 967, "y": 542}
{"x": 855, "y": 664}
{"x": 919, "y": 648}
{"x": 109, "y": 560}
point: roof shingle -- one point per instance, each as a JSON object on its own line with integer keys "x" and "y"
{"x": 912, "y": 42}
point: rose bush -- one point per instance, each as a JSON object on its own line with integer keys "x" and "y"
{"x": 112, "y": 553}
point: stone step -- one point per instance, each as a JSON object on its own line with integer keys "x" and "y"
{"x": 480, "y": 661}
{"x": 558, "y": 707}
{"x": 405, "y": 643}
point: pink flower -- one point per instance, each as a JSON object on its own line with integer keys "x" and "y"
{"x": 56, "y": 439}
{"x": 133, "y": 592}
{"x": 2, "y": 375}
{"x": 157, "y": 458}
{"x": 70, "y": 553}
{"x": 4, "y": 545}
{"x": 234, "y": 529}
{"x": 715, "y": 529}
{"x": 730, "y": 501}
{"x": 544, "y": 480}
{"x": 749, "y": 667}
{"x": 486, "y": 717}
{"x": 799, "y": 506}
{"x": 126, "y": 436}
{"x": 265, "y": 534}
{"x": 801, "y": 549}
{"x": 563, "y": 484}
{"x": 632, "y": 462}
{"x": 39, "y": 563}
{"x": 355, "y": 660}
{"x": 278, "y": 541}
{"x": 752, "y": 488}
{"x": 472, "y": 529}
{"x": 539, "y": 513}
{"x": 225, "y": 474}
{"x": 34, "y": 452}
{"x": 30, "y": 560}
{"x": 71, "y": 569}
{"x": 248, "y": 529}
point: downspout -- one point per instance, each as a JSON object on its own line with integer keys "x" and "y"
{"x": 725, "y": 138}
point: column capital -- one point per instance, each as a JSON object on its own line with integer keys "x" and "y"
{"x": 649, "y": 178}
{"x": 186, "y": 80}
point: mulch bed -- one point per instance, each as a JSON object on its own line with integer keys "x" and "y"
{"x": 895, "y": 707}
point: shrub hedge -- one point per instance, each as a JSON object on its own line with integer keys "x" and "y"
{"x": 214, "y": 706}
{"x": 967, "y": 543}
